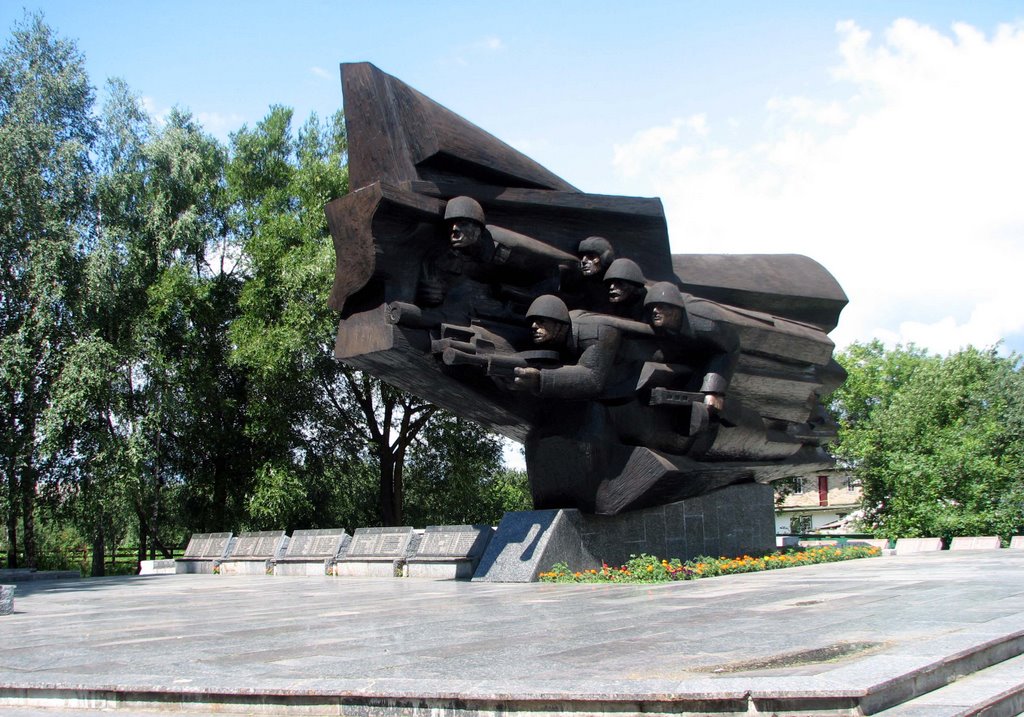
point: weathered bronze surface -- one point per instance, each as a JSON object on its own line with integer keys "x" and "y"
{"x": 473, "y": 277}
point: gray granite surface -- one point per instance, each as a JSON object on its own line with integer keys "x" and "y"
{"x": 6, "y": 599}
{"x": 735, "y": 520}
{"x": 854, "y": 628}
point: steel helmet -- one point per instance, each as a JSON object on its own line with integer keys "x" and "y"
{"x": 600, "y": 246}
{"x": 626, "y": 270}
{"x": 464, "y": 208}
{"x": 664, "y": 292}
{"x": 548, "y": 306}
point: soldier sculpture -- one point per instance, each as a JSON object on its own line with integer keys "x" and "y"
{"x": 475, "y": 278}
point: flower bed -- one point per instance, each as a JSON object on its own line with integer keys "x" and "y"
{"x": 649, "y": 569}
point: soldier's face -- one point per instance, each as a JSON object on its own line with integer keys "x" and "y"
{"x": 619, "y": 290}
{"x": 465, "y": 233}
{"x": 590, "y": 263}
{"x": 666, "y": 316}
{"x": 544, "y": 330}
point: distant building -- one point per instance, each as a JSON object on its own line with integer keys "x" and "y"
{"x": 819, "y": 503}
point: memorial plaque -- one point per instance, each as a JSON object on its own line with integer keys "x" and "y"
{"x": 207, "y": 546}
{"x": 379, "y": 543}
{"x": 257, "y": 545}
{"x": 976, "y": 542}
{"x": 317, "y": 544}
{"x": 909, "y": 546}
{"x": 454, "y": 541}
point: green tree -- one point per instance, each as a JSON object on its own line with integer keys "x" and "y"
{"x": 937, "y": 443}
{"x": 46, "y": 134}
{"x": 455, "y": 476}
{"x": 147, "y": 425}
{"x": 322, "y": 427}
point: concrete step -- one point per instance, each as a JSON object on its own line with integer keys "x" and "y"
{"x": 996, "y": 691}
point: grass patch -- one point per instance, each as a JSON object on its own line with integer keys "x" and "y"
{"x": 649, "y": 569}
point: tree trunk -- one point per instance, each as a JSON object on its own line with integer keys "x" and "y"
{"x": 28, "y": 515}
{"x": 398, "y": 493}
{"x": 220, "y": 497}
{"x": 387, "y": 490}
{"x": 12, "y": 518}
{"x": 143, "y": 533}
{"x": 98, "y": 549}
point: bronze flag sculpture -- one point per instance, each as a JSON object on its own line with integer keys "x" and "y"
{"x": 473, "y": 277}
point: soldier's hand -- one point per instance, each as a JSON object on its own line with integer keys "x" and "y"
{"x": 527, "y": 379}
{"x": 712, "y": 400}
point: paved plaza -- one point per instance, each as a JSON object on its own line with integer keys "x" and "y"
{"x": 181, "y": 641}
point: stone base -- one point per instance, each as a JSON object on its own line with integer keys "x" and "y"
{"x": 368, "y": 568}
{"x": 158, "y": 567}
{"x": 6, "y": 599}
{"x": 244, "y": 567}
{"x": 198, "y": 567}
{"x": 24, "y": 575}
{"x": 732, "y": 521}
{"x": 302, "y": 567}
{"x": 440, "y": 569}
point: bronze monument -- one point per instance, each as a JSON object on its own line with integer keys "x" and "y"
{"x": 473, "y": 277}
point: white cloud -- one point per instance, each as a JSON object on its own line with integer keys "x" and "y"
{"x": 218, "y": 124}
{"x": 157, "y": 114}
{"x": 321, "y": 73}
{"x": 484, "y": 45}
{"x": 491, "y": 43}
{"x": 908, "y": 189}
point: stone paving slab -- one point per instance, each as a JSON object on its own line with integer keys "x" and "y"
{"x": 847, "y": 628}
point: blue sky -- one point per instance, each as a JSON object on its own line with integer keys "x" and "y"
{"x": 880, "y": 138}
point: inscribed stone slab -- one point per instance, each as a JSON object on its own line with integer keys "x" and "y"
{"x": 976, "y": 542}
{"x": 315, "y": 544}
{"x": 1017, "y": 542}
{"x": 449, "y": 552}
{"x": 909, "y": 546}
{"x": 207, "y": 546}
{"x": 454, "y": 541}
{"x": 258, "y": 545}
{"x": 6, "y": 599}
{"x": 379, "y": 543}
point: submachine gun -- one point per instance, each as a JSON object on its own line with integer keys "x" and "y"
{"x": 466, "y": 346}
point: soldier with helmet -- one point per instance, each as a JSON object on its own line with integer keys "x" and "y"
{"x": 582, "y": 285}
{"x": 686, "y": 335}
{"x": 624, "y": 282}
{"x": 596, "y": 255}
{"x": 488, "y": 255}
{"x": 589, "y": 346}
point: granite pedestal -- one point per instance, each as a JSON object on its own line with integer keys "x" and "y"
{"x": 732, "y": 521}
{"x": 6, "y": 599}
